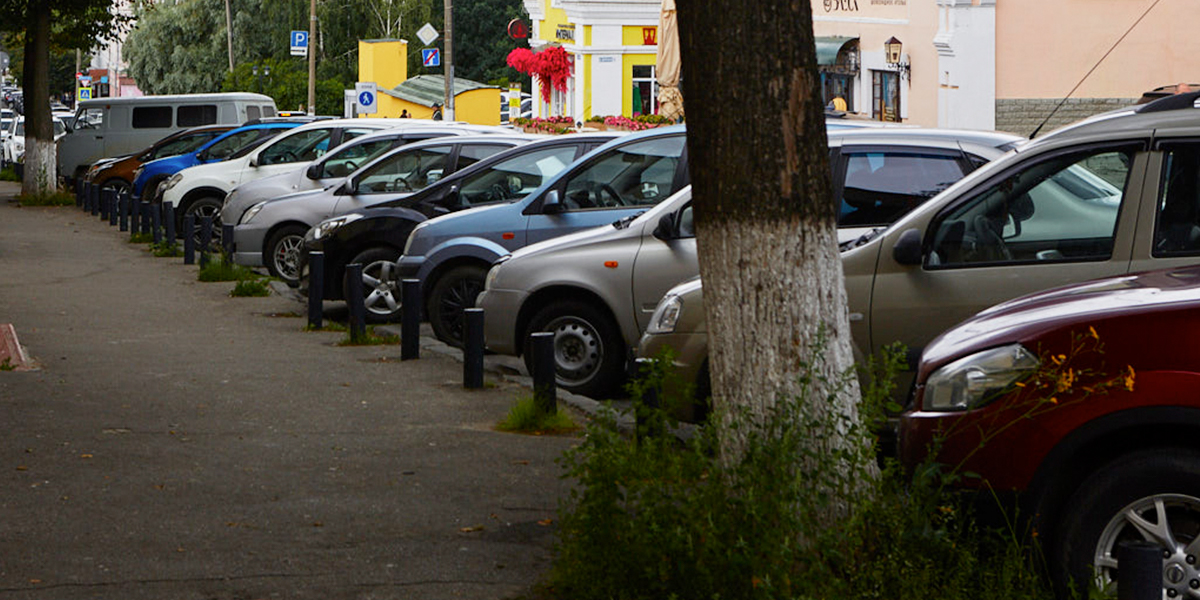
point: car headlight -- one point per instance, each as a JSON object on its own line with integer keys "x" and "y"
{"x": 328, "y": 226}
{"x": 666, "y": 315}
{"x": 495, "y": 271}
{"x": 171, "y": 182}
{"x": 250, "y": 212}
{"x": 975, "y": 380}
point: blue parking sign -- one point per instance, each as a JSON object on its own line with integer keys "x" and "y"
{"x": 299, "y": 43}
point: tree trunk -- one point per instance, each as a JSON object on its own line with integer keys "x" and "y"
{"x": 764, "y": 213}
{"x": 41, "y": 160}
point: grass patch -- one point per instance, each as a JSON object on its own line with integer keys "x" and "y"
{"x": 251, "y": 288}
{"x": 9, "y": 173}
{"x": 524, "y": 417}
{"x": 51, "y": 199}
{"x": 7, "y": 365}
{"x": 141, "y": 238}
{"x": 165, "y": 249}
{"x": 221, "y": 269}
{"x": 372, "y": 338}
{"x": 328, "y": 325}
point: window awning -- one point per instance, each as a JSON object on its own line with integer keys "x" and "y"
{"x": 828, "y": 48}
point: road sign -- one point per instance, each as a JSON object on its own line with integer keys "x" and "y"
{"x": 517, "y": 29}
{"x": 85, "y": 93}
{"x": 366, "y": 96}
{"x": 427, "y": 34}
{"x": 431, "y": 57}
{"x": 299, "y": 43}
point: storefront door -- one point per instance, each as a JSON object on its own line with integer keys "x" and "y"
{"x": 885, "y": 95}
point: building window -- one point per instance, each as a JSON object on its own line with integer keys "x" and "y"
{"x": 645, "y": 90}
{"x": 835, "y": 85}
{"x": 885, "y": 96}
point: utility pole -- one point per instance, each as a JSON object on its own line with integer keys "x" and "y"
{"x": 448, "y": 111}
{"x": 312, "y": 57}
{"x": 228, "y": 32}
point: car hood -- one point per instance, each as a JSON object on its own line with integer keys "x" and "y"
{"x": 1068, "y": 307}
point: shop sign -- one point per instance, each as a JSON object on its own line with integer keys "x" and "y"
{"x": 565, "y": 33}
{"x": 857, "y": 6}
{"x": 650, "y": 36}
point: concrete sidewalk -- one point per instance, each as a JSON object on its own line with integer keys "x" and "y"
{"x": 178, "y": 443}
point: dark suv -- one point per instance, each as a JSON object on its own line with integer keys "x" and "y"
{"x": 1082, "y": 402}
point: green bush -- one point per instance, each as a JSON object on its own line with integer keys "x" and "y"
{"x": 525, "y": 417}
{"x": 659, "y": 518}
{"x": 222, "y": 269}
{"x": 9, "y": 173}
{"x": 251, "y": 288}
{"x": 51, "y": 199}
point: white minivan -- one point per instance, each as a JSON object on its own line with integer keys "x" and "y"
{"x": 107, "y": 127}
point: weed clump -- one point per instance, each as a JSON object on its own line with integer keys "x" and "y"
{"x": 526, "y": 417}
{"x": 251, "y": 288}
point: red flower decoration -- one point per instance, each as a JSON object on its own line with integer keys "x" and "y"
{"x": 552, "y": 64}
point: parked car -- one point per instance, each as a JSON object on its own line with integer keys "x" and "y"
{"x": 14, "y": 142}
{"x": 1081, "y": 403}
{"x": 107, "y": 127}
{"x": 201, "y": 190}
{"x": 148, "y": 178}
{"x": 272, "y": 231}
{"x": 597, "y": 289}
{"x": 1110, "y": 195}
{"x": 375, "y": 236}
{"x": 117, "y": 173}
{"x": 337, "y": 164}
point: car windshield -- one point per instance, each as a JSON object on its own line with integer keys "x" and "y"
{"x": 516, "y": 177}
{"x": 179, "y": 146}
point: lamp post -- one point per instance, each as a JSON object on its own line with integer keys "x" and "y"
{"x": 892, "y": 51}
{"x": 266, "y": 72}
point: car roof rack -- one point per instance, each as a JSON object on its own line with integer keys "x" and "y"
{"x": 1174, "y": 102}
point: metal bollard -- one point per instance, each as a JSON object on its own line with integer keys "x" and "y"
{"x": 87, "y": 196}
{"x": 104, "y": 203}
{"x": 545, "y": 388}
{"x": 95, "y": 197}
{"x": 1141, "y": 576}
{"x": 78, "y": 193}
{"x": 473, "y": 348}
{"x": 144, "y": 217}
{"x": 169, "y": 221}
{"x": 227, "y": 239}
{"x": 123, "y": 201}
{"x": 156, "y": 222}
{"x": 206, "y": 231}
{"x": 356, "y": 302}
{"x": 316, "y": 289}
{"x": 410, "y": 319}
{"x": 189, "y": 241}
{"x": 134, "y": 217}
{"x": 114, "y": 207}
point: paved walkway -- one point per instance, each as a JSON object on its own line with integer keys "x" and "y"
{"x": 178, "y": 443}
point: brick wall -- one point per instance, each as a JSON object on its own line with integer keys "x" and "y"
{"x": 1022, "y": 115}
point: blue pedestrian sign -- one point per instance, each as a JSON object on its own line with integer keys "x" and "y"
{"x": 299, "y": 43}
{"x": 430, "y": 57}
{"x": 366, "y": 97}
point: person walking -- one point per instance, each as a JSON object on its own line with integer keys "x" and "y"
{"x": 437, "y": 112}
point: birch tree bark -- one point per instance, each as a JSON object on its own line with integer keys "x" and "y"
{"x": 764, "y": 214}
{"x": 41, "y": 158}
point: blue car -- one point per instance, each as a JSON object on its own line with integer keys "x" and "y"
{"x": 232, "y": 143}
{"x": 451, "y": 254}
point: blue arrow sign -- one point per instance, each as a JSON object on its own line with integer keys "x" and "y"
{"x": 430, "y": 57}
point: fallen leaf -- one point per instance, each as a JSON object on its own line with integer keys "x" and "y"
{"x": 471, "y": 529}
{"x": 545, "y": 522}
{"x": 318, "y": 524}
{"x": 520, "y": 462}
{"x": 22, "y": 468}
{"x": 35, "y": 581}
{"x": 85, "y": 456}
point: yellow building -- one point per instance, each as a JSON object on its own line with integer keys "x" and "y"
{"x": 386, "y": 63}
{"x": 613, "y": 45}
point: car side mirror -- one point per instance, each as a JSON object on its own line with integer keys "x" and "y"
{"x": 907, "y": 250}
{"x": 253, "y": 161}
{"x": 345, "y": 189}
{"x": 453, "y": 197}
{"x": 552, "y": 205}
{"x": 665, "y": 230}
{"x": 314, "y": 171}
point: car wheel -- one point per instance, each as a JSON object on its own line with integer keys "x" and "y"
{"x": 118, "y": 186}
{"x": 207, "y": 206}
{"x": 589, "y": 355}
{"x": 381, "y": 289}
{"x": 453, "y": 292}
{"x": 1150, "y": 495}
{"x": 283, "y": 253}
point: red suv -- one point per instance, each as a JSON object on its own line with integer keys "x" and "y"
{"x": 1085, "y": 400}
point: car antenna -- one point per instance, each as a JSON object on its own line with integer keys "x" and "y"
{"x": 1114, "y": 47}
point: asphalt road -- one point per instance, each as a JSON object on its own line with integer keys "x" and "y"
{"x": 178, "y": 443}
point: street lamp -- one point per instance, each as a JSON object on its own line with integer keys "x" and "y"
{"x": 266, "y": 72}
{"x": 891, "y": 55}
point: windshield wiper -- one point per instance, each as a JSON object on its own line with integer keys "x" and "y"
{"x": 860, "y": 240}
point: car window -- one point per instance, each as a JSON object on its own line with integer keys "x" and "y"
{"x": 199, "y": 114}
{"x": 302, "y": 147}
{"x": 405, "y": 171}
{"x": 181, "y": 144}
{"x": 1060, "y": 209}
{"x": 470, "y": 154}
{"x": 516, "y": 177}
{"x": 225, "y": 148}
{"x": 1177, "y": 223}
{"x": 252, "y": 113}
{"x": 881, "y": 187}
{"x": 89, "y": 118}
{"x": 350, "y": 134}
{"x": 640, "y": 173}
{"x": 151, "y": 117}
{"x": 347, "y": 159}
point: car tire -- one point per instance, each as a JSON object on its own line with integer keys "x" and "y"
{"x": 381, "y": 289}
{"x": 116, "y": 185}
{"x": 589, "y": 354}
{"x": 1160, "y": 484}
{"x": 204, "y": 207}
{"x": 282, "y": 253}
{"x": 453, "y": 292}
